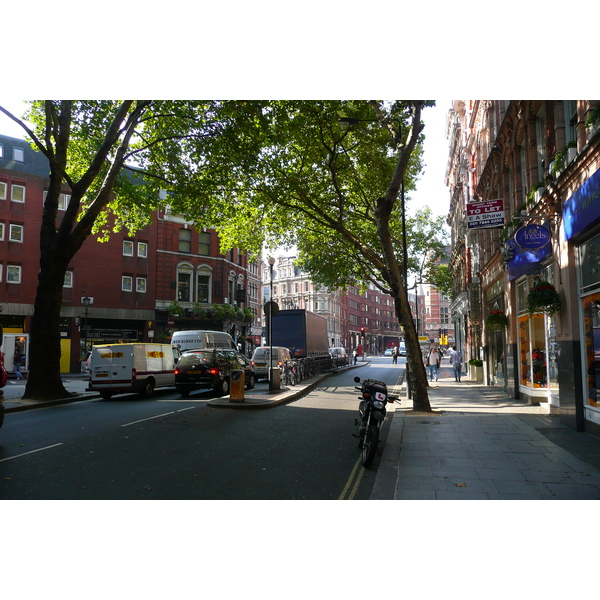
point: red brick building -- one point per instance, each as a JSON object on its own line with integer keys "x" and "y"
{"x": 130, "y": 281}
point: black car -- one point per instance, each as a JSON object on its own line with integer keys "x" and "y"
{"x": 198, "y": 369}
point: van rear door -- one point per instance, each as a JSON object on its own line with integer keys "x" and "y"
{"x": 112, "y": 365}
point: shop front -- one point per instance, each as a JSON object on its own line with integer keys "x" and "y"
{"x": 581, "y": 215}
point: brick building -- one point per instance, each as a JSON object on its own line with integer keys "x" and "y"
{"x": 130, "y": 282}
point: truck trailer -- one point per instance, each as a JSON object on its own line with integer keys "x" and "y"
{"x": 304, "y": 333}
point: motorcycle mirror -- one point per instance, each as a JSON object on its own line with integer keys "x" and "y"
{"x": 357, "y": 379}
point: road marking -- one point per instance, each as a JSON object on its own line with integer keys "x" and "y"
{"x": 349, "y": 482}
{"x": 31, "y": 452}
{"x": 157, "y": 416}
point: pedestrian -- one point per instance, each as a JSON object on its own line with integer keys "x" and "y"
{"x": 433, "y": 363}
{"x": 394, "y": 355}
{"x": 355, "y": 355}
{"x": 17, "y": 358}
{"x": 456, "y": 362}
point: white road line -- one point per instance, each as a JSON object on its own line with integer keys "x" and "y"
{"x": 157, "y": 416}
{"x": 31, "y": 452}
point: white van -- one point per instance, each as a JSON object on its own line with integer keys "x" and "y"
{"x": 136, "y": 367}
{"x": 261, "y": 359}
{"x": 201, "y": 340}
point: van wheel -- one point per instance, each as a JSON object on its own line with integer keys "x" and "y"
{"x": 184, "y": 393}
{"x": 224, "y": 387}
{"x": 148, "y": 388}
{"x": 106, "y": 395}
{"x": 251, "y": 382}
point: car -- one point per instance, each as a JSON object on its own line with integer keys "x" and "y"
{"x": 340, "y": 354}
{"x": 388, "y": 352}
{"x": 206, "y": 368}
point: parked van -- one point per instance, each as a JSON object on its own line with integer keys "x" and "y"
{"x": 136, "y": 367}
{"x": 261, "y": 359}
{"x": 200, "y": 340}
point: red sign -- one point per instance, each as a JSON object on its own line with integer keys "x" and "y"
{"x": 171, "y": 322}
{"x": 489, "y": 213}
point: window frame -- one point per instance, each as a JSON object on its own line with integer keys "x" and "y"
{"x": 16, "y": 151}
{"x": 12, "y": 193}
{"x": 2, "y": 231}
{"x": 68, "y": 276}
{"x": 19, "y": 270}
{"x": 3, "y": 185}
{"x": 128, "y": 244}
{"x": 125, "y": 278}
{"x": 16, "y": 227}
{"x": 141, "y": 245}
{"x": 183, "y": 232}
{"x": 138, "y": 287}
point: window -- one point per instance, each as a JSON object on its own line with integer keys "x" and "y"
{"x": 16, "y": 233}
{"x": 2, "y": 190}
{"x": 142, "y": 249}
{"x": 17, "y": 193}
{"x": 126, "y": 283}
{"x": 140, "y": 285}
{"x": 1, "y": 231}
{"x": 185, "y": 240}
{"x": 203, "y": 284}
{"x": 68, "y": 282}
{"x": 127, "y": 248}
{"x": 1, "y": 151}
{"x": 18, "y": 154}
{"x": 63, "y": 201}
{"x": 204, "y": 243}
{"x": 13, "y": 274}
{"x": 184, "y": 281}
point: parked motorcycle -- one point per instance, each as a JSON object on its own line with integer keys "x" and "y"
{"x": 372, "y": 409}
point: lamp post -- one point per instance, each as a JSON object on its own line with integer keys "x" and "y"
{"x": 271, "y": 304}
{"x": 86, "y": 301}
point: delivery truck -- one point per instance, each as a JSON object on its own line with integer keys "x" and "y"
{"x": 135, "y": 367}
{"x": 303, "y": 332}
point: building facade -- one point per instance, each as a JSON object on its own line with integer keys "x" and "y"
{"x": 541, "y": 160}
{"x": 350, "y": 313}
{"x": 140, "y": 288}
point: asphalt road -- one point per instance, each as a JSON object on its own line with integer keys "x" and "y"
{"x": 169, "y": 447}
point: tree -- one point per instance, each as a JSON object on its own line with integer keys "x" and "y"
{"x": 332, "y": 191}
{"x": 91, "y": 147}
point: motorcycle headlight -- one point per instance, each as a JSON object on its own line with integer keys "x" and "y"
{"x": 378, "y": 404}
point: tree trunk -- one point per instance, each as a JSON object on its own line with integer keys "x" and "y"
{"x": 44, "y": 381}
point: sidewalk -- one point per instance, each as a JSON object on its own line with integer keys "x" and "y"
{"x": 481, "y": 444}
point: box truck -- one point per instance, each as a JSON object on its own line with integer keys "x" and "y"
{"x": 135, "y": 367}
{"x": 303, "y": 332}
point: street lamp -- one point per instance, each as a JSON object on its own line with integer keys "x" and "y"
{"x": 86, "y": 301}
{"x": 271, "y": 306}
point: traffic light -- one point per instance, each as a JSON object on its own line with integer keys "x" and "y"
{"x": 439, "y": 333}
{"x": 362, "y": 332}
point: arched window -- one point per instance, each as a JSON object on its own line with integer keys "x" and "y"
{"x": 204, "y": 284}
{"x": 184, "y": 282}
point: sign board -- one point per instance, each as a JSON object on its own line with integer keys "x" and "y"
{"x": 532, "y": 237}
{"x": 481, "y": 215}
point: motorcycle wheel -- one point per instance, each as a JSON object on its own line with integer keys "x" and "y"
{"x": 370, "y": 445}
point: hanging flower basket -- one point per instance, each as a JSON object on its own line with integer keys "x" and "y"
{"x": 543, "y": 298}
{"x": 496, "y": 320}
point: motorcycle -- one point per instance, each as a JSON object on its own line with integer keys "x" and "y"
{"x": 372, "y": 409}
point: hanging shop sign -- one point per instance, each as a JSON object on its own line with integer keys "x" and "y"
{"x": 532, "y": 237}
{"x": 489, "y": 213}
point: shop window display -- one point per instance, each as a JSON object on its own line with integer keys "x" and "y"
{"x": 591, "y": 325}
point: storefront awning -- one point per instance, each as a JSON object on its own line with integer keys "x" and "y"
{"x": 524, "y": 260}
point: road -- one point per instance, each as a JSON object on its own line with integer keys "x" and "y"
{"x": 170, "y": 447}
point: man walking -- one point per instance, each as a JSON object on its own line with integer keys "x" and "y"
{"x": 433, "y": 363}
{"x": 456, "y": 362}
